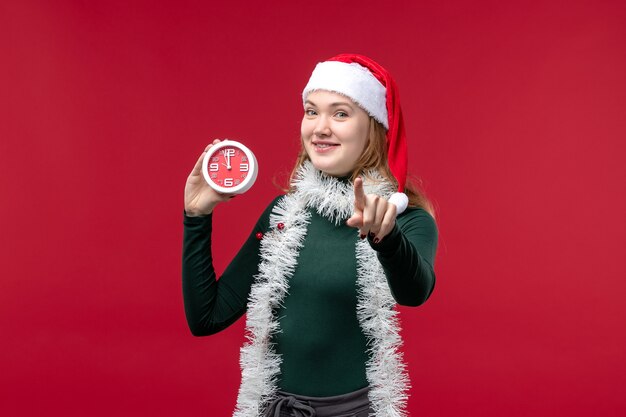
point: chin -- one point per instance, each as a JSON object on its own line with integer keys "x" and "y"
{"x": 328, "y": 166}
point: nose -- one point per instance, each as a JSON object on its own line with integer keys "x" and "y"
{"x": 322, "y": 127}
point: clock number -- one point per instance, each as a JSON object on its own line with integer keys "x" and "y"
{"x": 243, "y": 167}
{"x": 213, "y": 167}
{"x": 228, "y": 182}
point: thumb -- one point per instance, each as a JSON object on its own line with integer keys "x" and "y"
{"x": 355, "y": 221}
{"x": 197, "y": 169}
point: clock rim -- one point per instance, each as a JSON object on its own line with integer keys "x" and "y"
{"x": 250, "y": 179}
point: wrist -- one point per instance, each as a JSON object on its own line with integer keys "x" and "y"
{"x": 194, "y": 213}
{"x": 389, "y": 244}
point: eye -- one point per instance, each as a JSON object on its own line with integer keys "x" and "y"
{"x": 341, "y": 114}
{"x": 310, "y": 112}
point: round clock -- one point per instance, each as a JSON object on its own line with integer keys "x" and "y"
{"x": 229, "y": 167}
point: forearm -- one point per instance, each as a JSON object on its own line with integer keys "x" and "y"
{"x": 407, "y": 257}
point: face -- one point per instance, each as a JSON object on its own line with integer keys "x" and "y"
{"x": 334, "y": 132}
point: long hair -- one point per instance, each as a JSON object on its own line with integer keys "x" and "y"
{"x": 374, "y": 157}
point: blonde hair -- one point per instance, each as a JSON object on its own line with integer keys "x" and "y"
{"x": 374, "y": 157}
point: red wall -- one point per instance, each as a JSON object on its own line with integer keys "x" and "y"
{"x": 516, "y": 115}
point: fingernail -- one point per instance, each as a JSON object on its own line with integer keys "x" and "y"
{"x": 372, "y": 235}
{"x": 362, "y": 236}
{"x": 376, "y": 240}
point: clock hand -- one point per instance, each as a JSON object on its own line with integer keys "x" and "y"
{"x": 227, "y": 156}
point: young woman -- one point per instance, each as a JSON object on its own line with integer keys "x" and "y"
{"x": 325, "y": 264}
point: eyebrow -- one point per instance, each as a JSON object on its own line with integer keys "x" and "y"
{"x": 335, "y": 104}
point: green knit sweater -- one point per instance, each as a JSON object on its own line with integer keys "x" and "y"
{"x": 321, "y": 343}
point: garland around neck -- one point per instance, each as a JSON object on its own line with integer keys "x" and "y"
{"x": 333, "y": 199}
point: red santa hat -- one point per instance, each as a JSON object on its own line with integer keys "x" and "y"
{"x": 370, "y": 86}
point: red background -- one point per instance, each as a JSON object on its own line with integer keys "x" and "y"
{"x": 517, "y": 119}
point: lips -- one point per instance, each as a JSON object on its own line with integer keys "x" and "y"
{"x": 321, "y": 146}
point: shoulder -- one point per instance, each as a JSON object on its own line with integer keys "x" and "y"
{"x": 268, "y": 209}
{"x": 275, "y": 201}
{"x": 417, "y": 214}
{"x": 415, "y": 219}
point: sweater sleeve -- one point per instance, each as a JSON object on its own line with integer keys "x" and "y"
{"x": 407, "y": 255}
{"x": 212, "y": 304}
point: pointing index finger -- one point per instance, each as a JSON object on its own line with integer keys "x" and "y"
{"x": 359, "y": 194}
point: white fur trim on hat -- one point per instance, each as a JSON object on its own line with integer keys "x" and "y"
{"x": 353, "y": 81}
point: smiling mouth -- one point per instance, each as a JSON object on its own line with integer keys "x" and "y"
{"x": 319, "y": 145}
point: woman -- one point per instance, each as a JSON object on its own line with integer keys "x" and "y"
{"x": 323, "y": 337}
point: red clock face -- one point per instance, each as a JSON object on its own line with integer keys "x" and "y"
{"x": 228, "y": 167}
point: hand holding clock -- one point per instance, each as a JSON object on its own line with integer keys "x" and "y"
{"x": 200, "y": 198}
{"x": 224, "y": 169}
